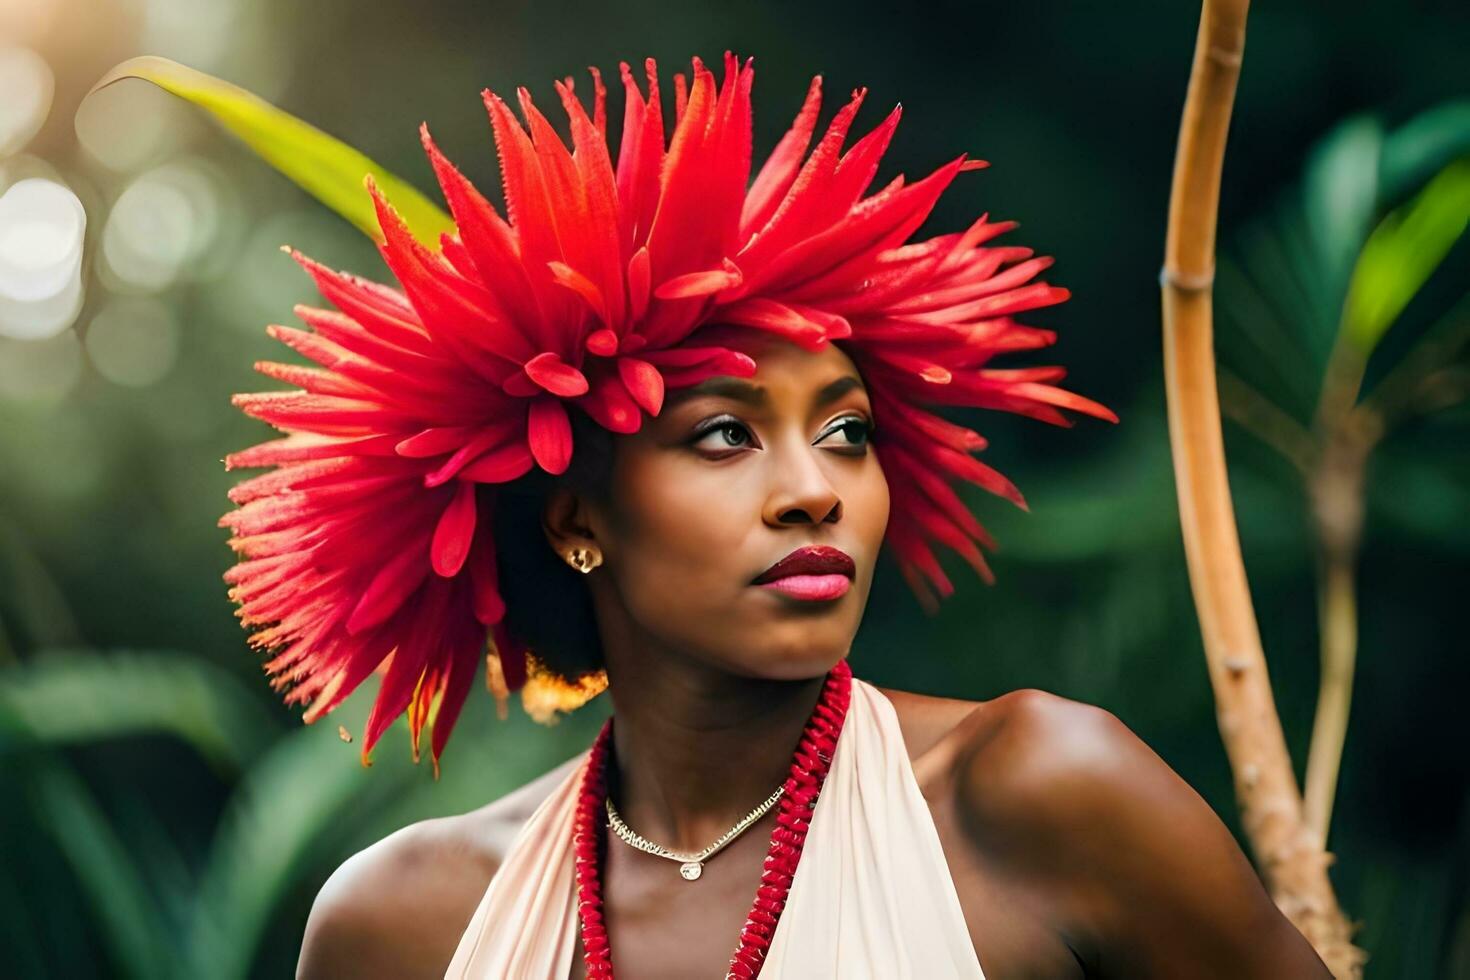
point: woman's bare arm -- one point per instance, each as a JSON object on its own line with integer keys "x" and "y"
{"x": 1142, "y": 865}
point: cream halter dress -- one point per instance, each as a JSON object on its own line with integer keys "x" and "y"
{"x": 872, "y": 895}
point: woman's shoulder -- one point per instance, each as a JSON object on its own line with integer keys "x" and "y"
{"x": 1015, "y": 764}
{"x": 1014, "y": 752}
{"x": 961, "y": 729}
{"x": 399, "y": 907}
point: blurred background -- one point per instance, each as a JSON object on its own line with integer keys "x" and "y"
{"x": 162, "y": 815}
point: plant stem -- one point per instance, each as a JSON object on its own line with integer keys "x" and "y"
{"x": 1401, "y": 392}
{"x": 1347, "y": 434}
{"x": 1291, "y": 854}
{"x": 1262, "y": 419}
{"x": 1338, "y": 615}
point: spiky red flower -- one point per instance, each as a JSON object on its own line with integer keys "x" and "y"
{"x": 370, "y": 541}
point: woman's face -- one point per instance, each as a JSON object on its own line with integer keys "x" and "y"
{"x": 731, "y": 477}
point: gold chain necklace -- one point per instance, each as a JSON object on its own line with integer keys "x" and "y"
{"x": 691, "y": 866}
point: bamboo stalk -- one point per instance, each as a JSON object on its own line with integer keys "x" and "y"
{"x": 1291, "y": 855}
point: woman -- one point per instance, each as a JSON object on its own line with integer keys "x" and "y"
{"x": 749, "y": 366}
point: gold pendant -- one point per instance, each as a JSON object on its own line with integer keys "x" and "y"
{"x": 691, "y": 870}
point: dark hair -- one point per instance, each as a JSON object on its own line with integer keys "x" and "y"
{"x": 547, "y": 604}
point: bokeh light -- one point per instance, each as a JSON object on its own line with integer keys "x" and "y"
{"x": 27, "y": 84}
{"x": 133, "y": 341}
{"x": 42, "y": 227}
{"x": 161, "y": 222}
{"x": 264, "y": 284}
{"x": 26, "y": 21}
{"x": 14, "y": 169}
{"x": 196, "y": 32}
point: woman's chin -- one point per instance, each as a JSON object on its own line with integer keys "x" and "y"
{"x": 811, "y": 661}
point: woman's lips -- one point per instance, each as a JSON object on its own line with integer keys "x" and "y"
{"x": 814, "y": 587}
{"x": 814, "y": 572}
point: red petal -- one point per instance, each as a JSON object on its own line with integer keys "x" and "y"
{"x": 549, "y": 371}
{"x": 564, "y": 275}
{"x": 639, "y": 279}
{"x": 549, "y": 432}
{"x": 435, "y": 441}
{"x": 414, "y": 652}
{"x": 393, "y": 583}
{"x": 490, "y": 242}
{"x": 308, "y": 446}
{"x": 454, "y": 532}
{"x": 704, "y": 283}
{"x": 779, "y": 170}
{"x": 610, "y": 404}
{"x": 484, "y": 568}
{"x": 601, "y": 227}
{"x": 458, "y": 314}
{"x": 640, "y": 158}
{"x": 809, "y": 328}
{"x": 464, "y": 659}
{"x": 500, "y": 465}
{"x": 602, "y": 342}
{"x": 486, "y": 438}
{"x": 644, "y": 383}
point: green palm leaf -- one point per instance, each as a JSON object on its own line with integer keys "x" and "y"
{"x": 1330, "y": 258}
{"x": 1403, "y": 251}
{"x": 324, "y": 166}
{"x": 69, "y": 697}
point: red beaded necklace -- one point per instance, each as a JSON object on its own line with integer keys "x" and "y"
{"x": 809, "y": 765}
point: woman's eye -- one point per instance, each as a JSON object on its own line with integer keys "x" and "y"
{"x": 734, "y": 435}
{"x": 857, "y": 430}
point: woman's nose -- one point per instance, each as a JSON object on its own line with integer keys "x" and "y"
{"x": 803, "y": 493}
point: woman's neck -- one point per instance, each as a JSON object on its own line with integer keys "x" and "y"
{"x": 695, "y": 748}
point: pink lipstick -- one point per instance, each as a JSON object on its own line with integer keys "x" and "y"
{"x": 815, "y": 572}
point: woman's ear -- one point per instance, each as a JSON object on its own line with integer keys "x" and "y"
{"x": 567, "y": 522}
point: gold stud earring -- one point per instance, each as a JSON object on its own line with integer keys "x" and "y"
{"x": 583, "y": 559}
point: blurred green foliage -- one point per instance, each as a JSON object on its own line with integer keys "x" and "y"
{"x": 165, "y": 816}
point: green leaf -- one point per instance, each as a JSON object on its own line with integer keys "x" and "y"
{"x": 1340, "y": 198}
{"x": 308, "y": 803}
{"x": 324, "y": 166}
{"x": 42, "y": 611}
{"x": 103, "y": 868}
{"x": 282, "y": 815}
{"x": 1422, "y": 146}
{"x": 1402, "y": 253}
{"x": 1299, "y": 270}
{"x": 69, "y": 697}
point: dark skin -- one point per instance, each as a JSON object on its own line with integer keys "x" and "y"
{"x": 1075, "y": 850}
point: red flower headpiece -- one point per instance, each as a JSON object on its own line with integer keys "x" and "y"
{"x": 371, "y": 540}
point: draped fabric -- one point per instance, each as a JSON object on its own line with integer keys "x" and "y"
{"x": 872, "y": 895}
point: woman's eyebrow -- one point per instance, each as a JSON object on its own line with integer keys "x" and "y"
{"x": 741, "y": 390}
{"x": 834, "y": 390}
{"x": 722, "y": 387}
